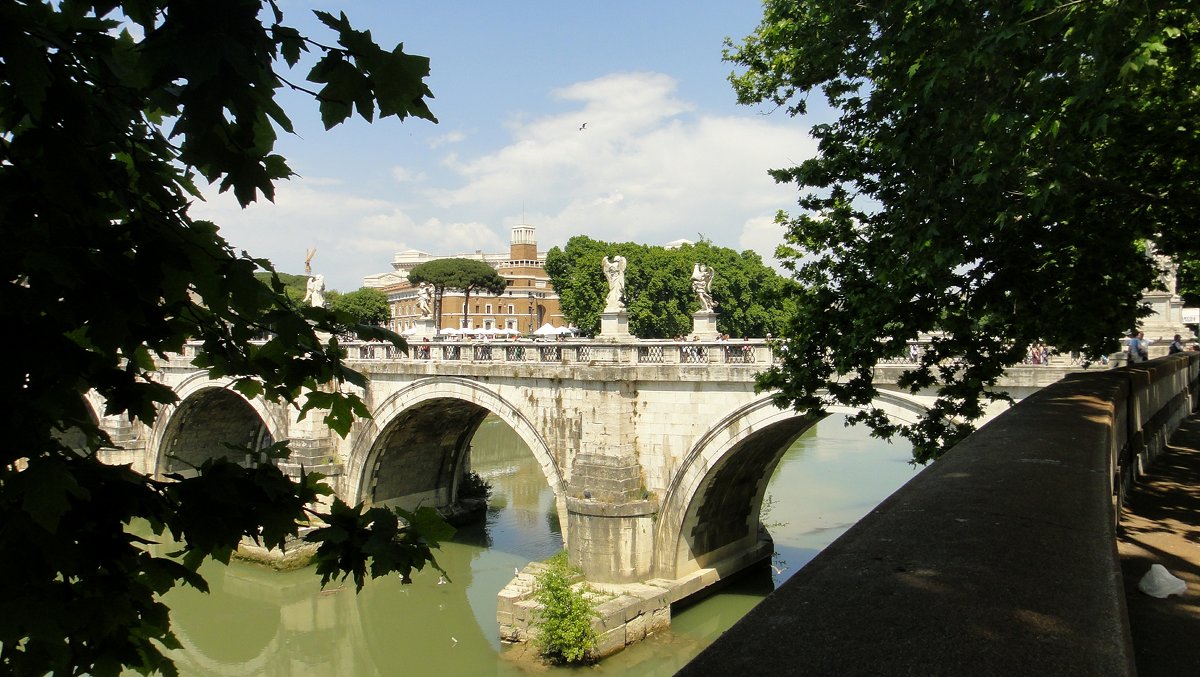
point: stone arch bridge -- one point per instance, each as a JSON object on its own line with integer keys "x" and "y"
{"x": 658, "y": 453}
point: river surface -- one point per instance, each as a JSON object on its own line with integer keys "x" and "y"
{"x": 259, "y": 622}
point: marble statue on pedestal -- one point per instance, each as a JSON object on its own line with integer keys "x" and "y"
{"x": 424, "y": 299}
{"x": 702, "y": 277}
{"x": 614, "y": 270}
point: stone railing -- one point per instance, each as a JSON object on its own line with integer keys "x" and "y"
{"x": 647, "y": 351}
{"x": 998, "y": 559}
{"x": 574, "y": 351}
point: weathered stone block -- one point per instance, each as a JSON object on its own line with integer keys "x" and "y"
{"x": 635, "y": 629}
{"x": 659, "y": 620}
{"x": 524, "y": 611}
{"x": 610, "y": 642}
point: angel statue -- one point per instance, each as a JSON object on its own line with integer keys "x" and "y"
{"x": 314, "y": 290}
{"x": 702, "y": 277}
{"x": 614, "y": 270}
{"x": 424, "y": 298}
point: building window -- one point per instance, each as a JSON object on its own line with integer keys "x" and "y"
{"x": 487, "y": 309}
{"x": 511, "y": 309}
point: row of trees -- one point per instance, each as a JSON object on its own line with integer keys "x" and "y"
{"x": 658, "y": 293}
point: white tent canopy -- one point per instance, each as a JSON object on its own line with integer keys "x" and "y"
{"x": 546, "y": 330}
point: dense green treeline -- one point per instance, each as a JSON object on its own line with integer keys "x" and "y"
{"x": 750, "y": 296}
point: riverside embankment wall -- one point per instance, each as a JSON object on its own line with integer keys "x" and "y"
{"x": 999, "y": 559}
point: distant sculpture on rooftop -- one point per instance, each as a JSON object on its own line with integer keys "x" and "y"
{"x": 702, "y": 277}
{"x": 614, "y": 270}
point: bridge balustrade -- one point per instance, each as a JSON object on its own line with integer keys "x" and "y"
{"x": 755, "y": 351}
{"x": 650, "y": 355}
{"x": 742, "y": 354}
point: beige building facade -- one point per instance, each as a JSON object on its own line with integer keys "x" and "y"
{"x": 528, "y": 302}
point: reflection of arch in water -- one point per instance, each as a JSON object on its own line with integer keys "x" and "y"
{"x": 260, "y": 622}
{"x": 710, "y": 512}
{"x": 235, "y": 629}
{"x": 414, "y": 448}
{"x": 209, "y": 416}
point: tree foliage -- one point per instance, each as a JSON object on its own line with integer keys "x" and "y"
{"x": 465, "y": 275}
{"x": 659, "y": 297}
{"x": 294, "y": 286}
{"x": 990, "y": 174}
{"x": 365, "y": 305}
{"x": 109, "y": 112}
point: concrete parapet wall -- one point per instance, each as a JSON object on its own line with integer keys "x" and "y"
{"x": 999, "y": 559}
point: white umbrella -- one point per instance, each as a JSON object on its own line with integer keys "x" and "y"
{"x": 409, "y": 332}
{"x": 566, "y": 330}
{"x": 448, "y": 332}
{"x": 546, "y": 330}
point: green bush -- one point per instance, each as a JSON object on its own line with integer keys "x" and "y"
{"x": 564, "y": 623}
{"x": 474, "y": 486}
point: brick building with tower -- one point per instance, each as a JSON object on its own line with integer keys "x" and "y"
{"x": 528, "y": 302}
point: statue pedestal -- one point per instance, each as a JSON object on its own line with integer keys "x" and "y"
{"x": 704, "y": 325}
{"x": 425, "y": 328}
{"x": 614, "y": 326}
{"x": 1167, "y": 319}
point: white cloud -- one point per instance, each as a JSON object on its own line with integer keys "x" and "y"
{"x": 762, "y": 235}
{"x": 450, "y": 138}
{"x": 346, "y": 229}
{"x": 648, "y": 168}
{"x": 406, "y": 175}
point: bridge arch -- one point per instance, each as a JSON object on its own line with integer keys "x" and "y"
{"x": 710, "y": 510}
{"x": 418, "y": 437}
{"x": 208, "y": 415}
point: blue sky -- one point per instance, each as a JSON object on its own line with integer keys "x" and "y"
{"x": 666, "y": 154}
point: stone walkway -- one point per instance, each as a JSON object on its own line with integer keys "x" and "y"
{"x": 1161, "y": 524}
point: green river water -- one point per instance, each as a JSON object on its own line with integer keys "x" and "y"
{"x": 259, "y": 622}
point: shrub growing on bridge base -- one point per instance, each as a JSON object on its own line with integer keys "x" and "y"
{"x": 564, "y": 623}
